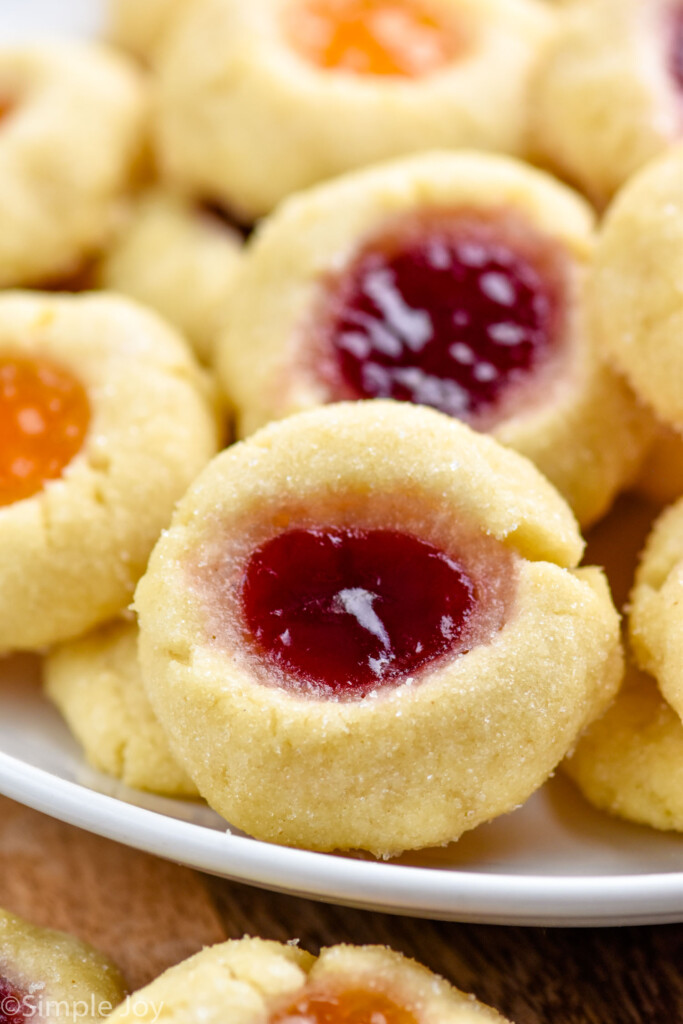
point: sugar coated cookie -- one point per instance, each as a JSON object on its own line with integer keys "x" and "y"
{"x": 451, "y": 280}
{"x": 178, "y": 259}
{"x": 72, "y": 121}
{"x": 96, "y": 684}
{"x": 49, "y": 976}
{"x": 252, "y": 981}
{"x": 364, "y": 630}
{"x": 609, "y": 90}
{"x": 105, "y": 420}
{"x": 636, "y": 292}
{"x": 656, "y": 621}
{"x": 261, "y": 99}
{"x": 630, "y": 761}
{"x": 141, "y": 25}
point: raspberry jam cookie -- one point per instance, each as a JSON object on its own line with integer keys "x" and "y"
{"x": 630, "y": 761}
{"x": 50, "y": 976}
{"x": 178, "y": 259}
{"x": 252, "y": 981}
{"x": 608, "y": 95}
{"x": 656, "y": 622}
{"x": 105, "y": 420}
{"x": 636, "y": 293}
{"x": 373, "y": 601}
{"x": 450, "y": 280}
{"x": 96, "y": 684}
{"x": 261, "y": 99}
{"x": 72, "y": 120}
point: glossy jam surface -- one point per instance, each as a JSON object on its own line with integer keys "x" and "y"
{"x": 676, "y": 45}
{"x": 404, "y": 38}
{"x": 12, "y": 1007}
{"x": 44, "y": 417}
{"x": 355, "y": 1006}
{"x": 344, "y": 611}
{"x": 454, "y": 311}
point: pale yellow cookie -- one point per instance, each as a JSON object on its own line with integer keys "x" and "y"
{"x": 630, "y": 761}
{"x": 371, "y": 709}
{"x": 72, "y": 123}
{"x": 140, "y": 25}
{"x": 247, "y": 114}
{"x": 105, "y": 421}
{"x": 96, "y": 684}
{"x": 607, "y": 96}
{"x": 636, "y": 287}
{"x": 50, "y": 976}
{"x": 293, "y": 331}
{"x": 656, "y": 621}
{"x": 252, "y": 981}
{"x": 179, "y": 260}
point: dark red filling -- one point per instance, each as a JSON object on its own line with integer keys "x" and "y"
{"x": 12, "y": 1007}
{"x": 451, "y": 311}
{"x": 345, "y": 611}
{"x": 676, "y": 45}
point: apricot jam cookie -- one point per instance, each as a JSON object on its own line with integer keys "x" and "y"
{"x": 630, "y": 761}
{"x": 97, "y": 685}
{"x": 50, "y": 976}
{"x": 451, "y": 280}
{"x": 141, "y": 26}
{"x": 608, "y": 94}
{"x": 72, "y": 121}
{"x": 373, "y": 601}
{"x": 636, "y": 294}
{"x": 178, "y": 259}
{"x": 104, "y": 420}
{"x": 252, "y": 981}
{"x": 261, "y": 99}
{"x": 656, "y": 621}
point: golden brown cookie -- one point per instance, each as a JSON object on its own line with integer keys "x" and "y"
{"x": 50, "y": 976}
{"x": 252, "y": 980}
{"x": 261, "y": 99}
{"x": 451, "y": 280}
{"x": 97, "y": 685}
{"x": 661, "y": 476}
{"x": 105, "y": 420}
{"x": 72, "y": 122}
{"x": 608, "y": 92}
{"x": 373, "y": 601}
{"x": 636, "y": 295}
{"x": 178, "y": 259}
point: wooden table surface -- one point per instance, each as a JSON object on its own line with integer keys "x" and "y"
{"x": 148, "y": 914}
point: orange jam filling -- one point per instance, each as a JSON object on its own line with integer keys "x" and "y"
{"x": 405, "y": 38}
{"x": 44, "y": 416}
{"x": 355, "y": 1006}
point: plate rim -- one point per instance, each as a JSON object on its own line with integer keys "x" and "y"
{"x": 460, "y": 894}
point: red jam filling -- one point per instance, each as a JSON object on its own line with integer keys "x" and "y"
{"x": 13, "y": 1009}
{"x": 404, "y": 38}
{"x": 345, "y": 611}
{"x": 355, "y": 1006}
{"x": 456, "y": 310}
{"x": 44, "y": 416}
{"x": 676, "y": 45}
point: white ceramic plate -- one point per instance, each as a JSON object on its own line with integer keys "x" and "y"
{"x": 555, "y": 861}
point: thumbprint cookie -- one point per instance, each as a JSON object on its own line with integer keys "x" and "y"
{"x": 72, "y": 123}
{"x": 450, "y": 280}
{"x": 374, "y": 601}
{"x": 95, "y": 682}
{"x": 253, "y": 981}
{"x": 608, "y": 95}
{"x": 50, "y": 976}
{"x": 261, "y": 99}
{"x": 180, "y": 260}
{"x": 105, "y": 419}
